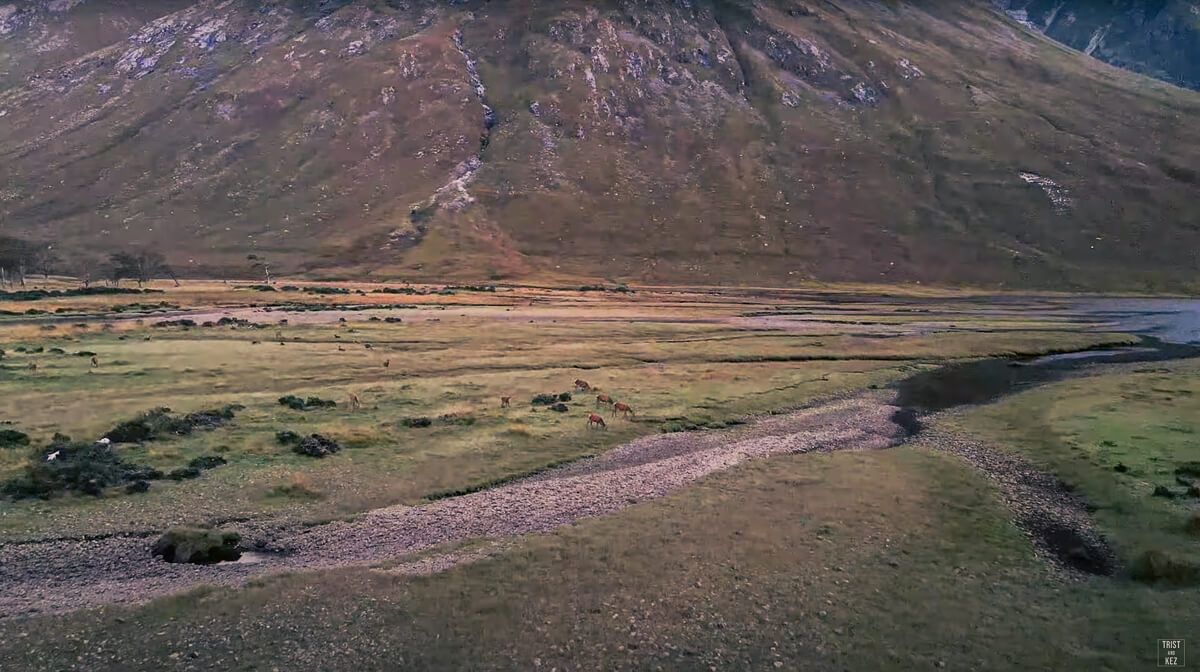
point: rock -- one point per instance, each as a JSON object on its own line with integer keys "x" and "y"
{"x": 316, "y": 446}
{"x": 197, "y": 545}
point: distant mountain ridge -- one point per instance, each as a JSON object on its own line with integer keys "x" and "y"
{"x": 700, "y": 141}
{"x": 1159, "y": 38}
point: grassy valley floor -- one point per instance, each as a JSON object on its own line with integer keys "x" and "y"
{"x": 895, "y": 559}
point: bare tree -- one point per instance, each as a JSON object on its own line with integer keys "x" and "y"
{"x": 45, "y": 260}
{"x": 260, "y": 264}
{"x": 14, "y": 259}
{"x": 140, "y": 265}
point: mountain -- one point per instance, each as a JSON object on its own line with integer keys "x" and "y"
{"x": 1160, "y": 38}
{"x": 703, "y": 141}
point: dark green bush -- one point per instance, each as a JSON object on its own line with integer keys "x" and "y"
{"x": 86, "y": 468}
{"x": 286, "y": 437}
{"x": 297, "y": 404}
{"x": 11, "y": 438}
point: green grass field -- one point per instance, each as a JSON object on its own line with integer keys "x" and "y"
{"x": 895, "y": 560}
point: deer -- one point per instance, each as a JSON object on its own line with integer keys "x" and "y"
{"x": 604, "y": 399}
{"x": 505, "y": 402}
{"x": 32, "y": 367}
{"x": 95, "y": 362}
{"x": 582, "y": 385}
{"x": 624, "y": 409}
{"x": 387, "y": 363}
{"x": 355, "y": 402}
{"x": 596, "y": 421}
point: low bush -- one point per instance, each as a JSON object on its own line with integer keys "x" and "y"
{"x": 286, "y": 437}
{"x": 1156, "y": 566}
{"x": 416, "y": 422}
{"x": 161, "y": 422}
{"x": 297, "y": 404}
{"x": 197, "y": 545}
{"x": 316, "y": 446}
{"x": 68, "y": 466}
{"x": 11, "y": 438}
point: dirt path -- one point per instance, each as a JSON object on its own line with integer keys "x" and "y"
{"x": 59, "y": 576}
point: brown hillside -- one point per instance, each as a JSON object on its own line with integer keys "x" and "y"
{"x": 720, "y": 142}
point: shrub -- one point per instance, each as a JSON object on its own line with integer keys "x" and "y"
{"x": 183, "y": 473}
{"x": 11, "y": 438}
{"x": 197, "y": 545}
{"x": 297, "y": 404}
{"x": 86, "y": 468}
{"x": 286, "y": 437}
{"x": 206, "y": 462}
{"x": 1188, "y": 469}
{"x": 564, "y": 396}
{"x": 137, "y": 487}
{"x": 1156, "y": 566}
{"x": 317, "y": 446}
{"x": 456, "y": 419}
{"x": 159, "y": 422}
{"x": 416, "y": 422}
{"x": 560, "y": 408}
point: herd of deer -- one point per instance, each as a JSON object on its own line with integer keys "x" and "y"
{"x": 594, "y": 419}
{"x": 597, "y": 420}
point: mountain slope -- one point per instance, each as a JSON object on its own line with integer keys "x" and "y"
{"x": 700, "y": 141}
{"x": 1160, "y": 38}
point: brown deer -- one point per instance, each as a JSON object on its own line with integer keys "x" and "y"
{"x": 33, "y": 367}
{"x": 387, "y": 363}
{"x": 596, "y": 421}
{"x": 505, "y": 402}
{"x": 582, "y": 385}
{"x": 624, "y": 409}
{"x": 355, "y": 402}
{"x": 95, "y": 362}
{"x": 604, "y": 399}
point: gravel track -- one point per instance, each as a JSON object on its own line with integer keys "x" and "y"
{"x": 61, "y": 576}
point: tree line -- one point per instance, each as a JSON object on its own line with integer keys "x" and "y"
{"x": 20, "y": 259}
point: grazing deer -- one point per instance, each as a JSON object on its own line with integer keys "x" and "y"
{"x": 95, "y": 362}
{"x": 624, "y": 409}
{"x": 596, "y": 421}
{"x": 582, "y": 385}
{"x": 505, "y": 402}
{"x": 355, "y": 402}
{"x": 387, "y": 363}
{"x": 604, "y": 399}
{"x": 33, "y": 367}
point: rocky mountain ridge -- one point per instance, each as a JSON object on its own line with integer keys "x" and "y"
{"x": 696, "y": 141}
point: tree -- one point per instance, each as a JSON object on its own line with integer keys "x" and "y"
{"x": 139, "y": 265}
{"x": 15, "y": 257}
{"x": 260, "y": 264}
{"x": 45, "y": 260}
